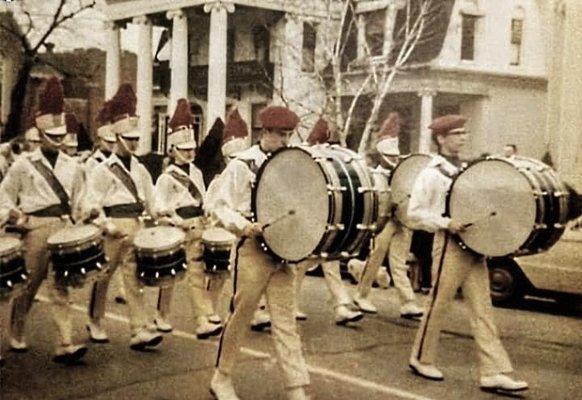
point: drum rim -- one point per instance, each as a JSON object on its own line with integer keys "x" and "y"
{"x": 96, "y": 236}
{"x": 11, "y": 250}
{"x": 262, "y": 242}
{"x": 169, "y": 247}
{"x": 457, "y": 237}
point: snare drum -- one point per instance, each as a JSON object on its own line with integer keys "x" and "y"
{"x": 13, "y": 275}
{"x": 330, "y": 194}
{"x": 514, "y": 206}
{"x": 76, "y": 255}
{"x": 160, "y": 255}
{"x": 217, "y": 245}
{"x": 401, "y": 183}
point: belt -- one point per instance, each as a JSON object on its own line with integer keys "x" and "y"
{"x": 56, "y": 210}
{"x": 131, "y": 210}
{"x": 189, "y": 212}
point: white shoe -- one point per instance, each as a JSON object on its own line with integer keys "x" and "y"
{"x": 68, "y": 354}
{"x": 206, "y": 329}
{"x": 427, "y": 371}
{"x": 382, "y": 279}
{"x": 502, "y": 383}
{"x": 18, "y": 346}
{"x": 162, "y": 325}
{"x": 221, "y": 387}
{"x": 343, "y": 315}
{"x": 411, "y": 310}
{"x": 261, "y": 321}
{"x": 214, "y": 319}
{"x": 356, "y": 268}
{"x": 365, "y": 305}
{"x": 300, "y": 315}
{"x": 296, "y": 393}
{"x": 144, "y": 338}
{"x": 96, "y": 333}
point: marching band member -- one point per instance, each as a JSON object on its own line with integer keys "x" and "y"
{"x": 38, "y": 194}
{"x": 255, "y": 272}
{"x": 179, "y": 195}
{"x": 105, "y": 145}
{"x": 454, "y": 268}
{"x": 118, "y": 192}
{"x": 394, "y": 239}
{"x": 322, "y": 133}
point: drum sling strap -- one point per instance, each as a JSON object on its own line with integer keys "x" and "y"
{"x": 53, "y": 182}
{"x": 126, "y": 179}
{"x": 188, "y": 184}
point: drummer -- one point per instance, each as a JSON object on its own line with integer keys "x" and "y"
{"x": 38, "y": 194}
{"x": 256, "y": 273}
{"x": 118, "y": 193}
{"x": 394, "y": 239}
{"x": 179, "y": 195}
{"x": 454, "y": 268}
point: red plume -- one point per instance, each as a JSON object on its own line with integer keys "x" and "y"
{"x": 72, "y": 123}
{"x": 182, "y": 116}
{"x": 235, "y": 127}
{"x": 50, "y": 99}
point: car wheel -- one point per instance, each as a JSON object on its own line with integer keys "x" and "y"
{"x": 506, "y": 281}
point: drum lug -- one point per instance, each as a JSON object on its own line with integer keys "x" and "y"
{"x": 344, "y": 254}
{"x": 66, "y": 273}
{"x": 324, "y": 255}
{"x": 336, "y": 188}
{"x": 173, "y": 272}
{"x": 99, "y": 265}
{"x": 363, "y": 189}
{"x": 362, "y": 227}
{"x": 24, "y": 277}
{"x": 559, "y": 226}
{"x": 9, "y": 283}
{"x": 336, "y": 227}
{"x": 83, "y": 271}
{"x": 540, "y": 226}
{"x": 185, "y": 266}
{"x": 559, "y": 194}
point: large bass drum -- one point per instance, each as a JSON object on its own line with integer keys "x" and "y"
{"x": 402, "y": 181}
{"x": 315, "y": 201}
{"x": 512, "y": 206}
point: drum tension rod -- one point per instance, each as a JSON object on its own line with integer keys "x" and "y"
{"x": 337, "y": 188}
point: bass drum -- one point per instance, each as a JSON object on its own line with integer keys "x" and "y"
{"x": 402, "y": 181}
{"x": 315, "y": 201}
{"x": 511, "y": 206}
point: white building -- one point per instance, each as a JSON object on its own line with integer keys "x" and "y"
{"x": 488, "y": 62}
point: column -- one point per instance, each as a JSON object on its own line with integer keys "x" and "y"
{"x": 179, "y": 62}
{"x": 144, "y": 82}
{"x": 112, "y": 59}
{"x": 426, "y": 105}
{"x": 389, "y": 22}
{"x": 217, "y": 60}
{"x": 293, "y": 90}
{"x": 8, "y": 76}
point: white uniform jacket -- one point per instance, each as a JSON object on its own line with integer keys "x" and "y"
{"x": 94, "y": 160}
{"x": 428, "y": 198}
{"x": 104, "y": 189}
{"x": 25, "y": 188}
{"x": 171, "y": 194}
{"x": 229, "y": 195}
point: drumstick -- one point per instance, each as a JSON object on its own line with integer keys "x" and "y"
{"x": 483, "y": 218}
{"x": 279, "y": 218}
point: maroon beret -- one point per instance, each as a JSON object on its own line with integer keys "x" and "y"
{"x": 447, "y": 123}
{"x": 277, "y": 117}
{"x": 391, "y": 126}
{"x": 319, "y": 133}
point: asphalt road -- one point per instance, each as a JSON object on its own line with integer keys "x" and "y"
{"x": 367, "y": 361}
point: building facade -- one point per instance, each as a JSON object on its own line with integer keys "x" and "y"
{"x": 487, "y": 61}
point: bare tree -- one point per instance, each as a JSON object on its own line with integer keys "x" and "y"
{"x": 36, "y": 22}
{"x": 402, "y": 27}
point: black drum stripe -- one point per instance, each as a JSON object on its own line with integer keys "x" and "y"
{"x": 434, "y": 295}
{"x": 234, "y": 281}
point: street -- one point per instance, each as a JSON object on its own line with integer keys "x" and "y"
{"x": 368, "y": 361}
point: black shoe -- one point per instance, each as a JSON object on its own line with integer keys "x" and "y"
{"x": 72, "y": 357}
{"x": 120, "y": 300}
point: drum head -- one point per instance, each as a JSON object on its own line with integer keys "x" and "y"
{"x": 73, "y": 234}
{"x": 159, "y": 238}
{"x": 8, "y": 245}
{"x": 402, "y": 180}
{"x": 217, "y": 236}
{"x": 292, "y": 180}
{"x": 493, "y": 186}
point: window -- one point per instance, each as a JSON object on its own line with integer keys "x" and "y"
{"x": 261, "y": 39}
{"x": 375, "y": 22}
{"x": 255, "y": 122}
{"x": 309, "y": 41}
{"x": 468, "y": 37}
{"x": 516, "y": 38}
